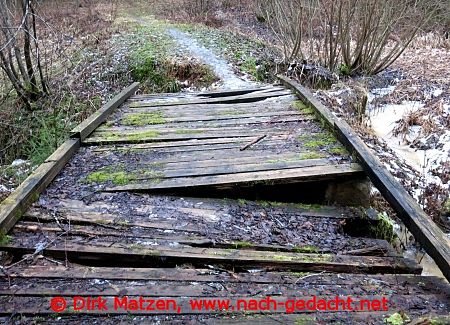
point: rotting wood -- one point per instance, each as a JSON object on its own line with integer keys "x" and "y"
{"x": 14, "y": 206}
{"x": 106, "y": 253}
{"x": 426, "y": 232}
{"x": 83, "y": 130}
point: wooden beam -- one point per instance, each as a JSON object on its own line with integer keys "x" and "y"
{"x": 426, "y": 232}
{"x": 83, "y": 130}
{"x": 15, "y": 205}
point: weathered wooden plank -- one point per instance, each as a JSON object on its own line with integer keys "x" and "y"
{"x": 304, "y": 174}
{"x": 430, "y": 236}
{"x": 426, "y": 283}
{"x": 215, "y": 109}
{"x": 13, "y": 207}
{"x": 162, "y": 135}
{"x": 232, "y": 158}
{"x": 218, "y": 121}
{"x": 140, "y": 255}
{"x": 184, "y": 170}
{"x": 99, "y": 218}
{"x": 183, "y": 117}
{"x": 83, "y": 130}
{"x": 248, "y": 98}
{"x": 208, "y": 144}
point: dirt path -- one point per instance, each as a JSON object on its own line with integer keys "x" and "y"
{"x": 222, "y": 69}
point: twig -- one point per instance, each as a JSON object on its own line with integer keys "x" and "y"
{"x": 253, "y": 142}
{"x": 308, "y": 276}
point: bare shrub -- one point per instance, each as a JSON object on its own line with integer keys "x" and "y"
{"x": 355, "y": 36}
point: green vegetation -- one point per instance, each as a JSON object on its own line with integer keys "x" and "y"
{"x": 242, "y": 244}
{"x": 302, "y": 156}
{"x": 122, "y": 177}
{"x": 339, "y": 150}
{"x": 384, "y": 228}
{"x": 397, "y": 319}
{"x": 140, "y": 119}
{"x": 312, "y": 155}
{"x": 302, "y": 107}
{"x": 250, "y": 55}
{"x": 306, "y": 249}
{"x": 117, "y": 178}
{"x": 138, "y": 136}
{"x": 317, "y": 140}
{"x": 5, "y": 239}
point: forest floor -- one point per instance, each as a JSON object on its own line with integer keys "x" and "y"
{"x": 406, "y": 124}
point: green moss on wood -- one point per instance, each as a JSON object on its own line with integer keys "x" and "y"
{"x": 140, "y": 119}
{"x": 123, "y": 177}
{"x": 242, "y": 244}
{"x": 317, "y": 140}
{"x": 117, "y": 178}
{"x": 140, "y": 136}
{"x": 339, "y": 150}
{"x": 302, "y": 156}
{"x": 302, "y": 107}
{"x": 306, "y": 249}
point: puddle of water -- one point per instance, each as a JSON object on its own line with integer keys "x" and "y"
{"x": 220, "y": 67}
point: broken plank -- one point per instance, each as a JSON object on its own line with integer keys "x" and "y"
{"x": 83, "y": 130}
{"x": 294, "y": 175}
{"x": 14, "y": 206}
{"x": 226, "y": 169}
{"x": 249, "y": 98}
{"x": 139, "y": 255}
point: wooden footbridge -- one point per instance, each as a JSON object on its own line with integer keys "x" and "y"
{"x": 177, "y": 198}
